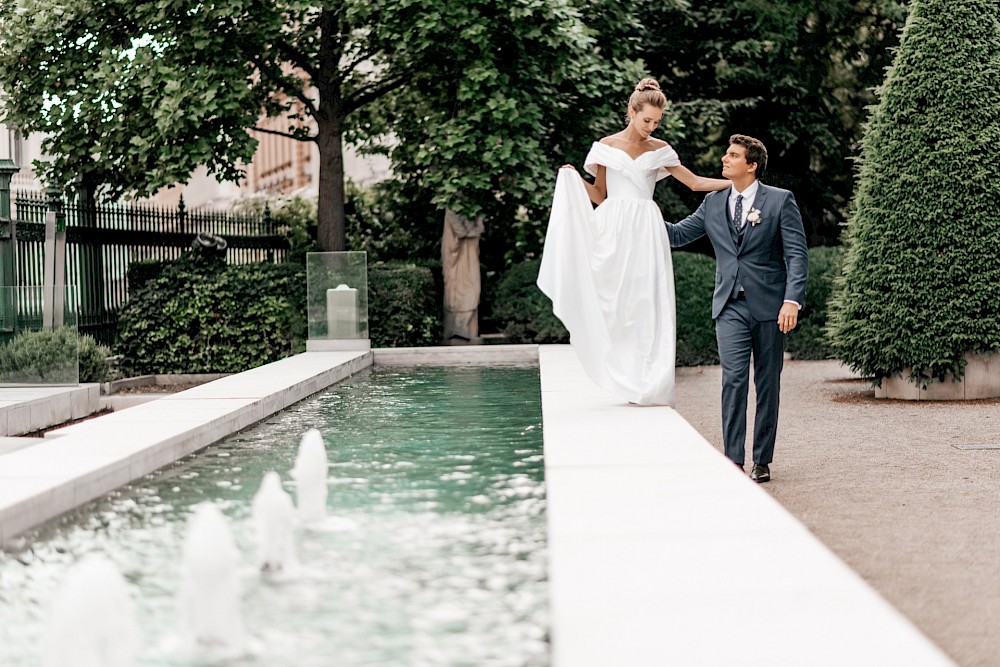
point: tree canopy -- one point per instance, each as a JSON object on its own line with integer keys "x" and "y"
{"x": 134, "y": 96}
{"x": 796, "y": 74}
{"x": 923, "y": 264}
{"x": 482, "y": 99}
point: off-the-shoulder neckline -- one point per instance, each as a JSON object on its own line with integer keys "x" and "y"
{"x": 626, "y": 153}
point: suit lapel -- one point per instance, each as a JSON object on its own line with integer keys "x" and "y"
{"x": 758, "y": 203}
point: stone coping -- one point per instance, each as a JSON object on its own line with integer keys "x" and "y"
{"x": 28, "y": 409}
{"x": 662, "y": 553}
{"x": 457, "y": 355}
{"x": 86, "y": 460}
{"x": 160, "y": 380}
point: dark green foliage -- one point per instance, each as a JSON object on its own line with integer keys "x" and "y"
{"x": 521, "y": 311}
{"x": 797, "y": 74}
{"x": 94, "y": 366}
{"x": 200, "y": 317}
{"x": 694, "y": 281}
{"x": 140, "y": 273}
{"x": 522, "y": 86}
{"x": 49, "y": 357}
{"x": 403, "y": 306}
{"x": 921, "y": 282}
{"x": 809, "y": 340}
{"x": 524, "y": 314}
{"x": 394, "y": 221}
{"x": 295, "y": 218}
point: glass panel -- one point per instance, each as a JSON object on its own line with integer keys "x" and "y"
{"x": 337, "y": 295}
{"x": 39, "y": 343}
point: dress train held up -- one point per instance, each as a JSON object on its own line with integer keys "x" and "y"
{"x": 609, "y": 274}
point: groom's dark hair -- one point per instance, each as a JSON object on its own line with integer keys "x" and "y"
{"x": 756, "y": 153}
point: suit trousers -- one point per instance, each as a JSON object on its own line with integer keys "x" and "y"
{"x": 739, "y": 336}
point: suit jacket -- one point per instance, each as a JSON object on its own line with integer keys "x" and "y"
{"x": 771, "y": 262}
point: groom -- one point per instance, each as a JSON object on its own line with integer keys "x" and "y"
{"x": 760, "y": 285}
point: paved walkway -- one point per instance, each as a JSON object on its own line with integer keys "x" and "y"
{"x": 885, "y": 485}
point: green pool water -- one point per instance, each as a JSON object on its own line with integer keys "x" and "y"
{"x": 436, "y": 555}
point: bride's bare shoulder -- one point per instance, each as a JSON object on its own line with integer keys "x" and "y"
{"x": 613, "y": 140}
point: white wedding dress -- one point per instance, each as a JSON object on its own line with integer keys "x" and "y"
{"x": 609, "y": 274}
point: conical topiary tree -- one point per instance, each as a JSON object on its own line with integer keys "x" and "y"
{"x": 921, "y": 280}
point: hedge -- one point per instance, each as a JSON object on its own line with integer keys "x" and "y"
{"x": 193, "y": 316}
{"x": 34, "y": 357}
{"x": 204, "y": 317}
{"x": 403, "y": 308}
{"x": 522, "y": 312}
{"x": 527, "y": 316}
{"x": 922, "y": 275}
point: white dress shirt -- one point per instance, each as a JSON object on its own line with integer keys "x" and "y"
{"x": 748, "y": 196}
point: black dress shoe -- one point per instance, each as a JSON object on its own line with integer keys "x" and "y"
{"x": 760, "y": 473}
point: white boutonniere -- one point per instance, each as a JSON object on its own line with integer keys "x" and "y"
{"x": 753, "y": 217}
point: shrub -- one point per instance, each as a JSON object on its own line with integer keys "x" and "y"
{"x": 94, "y": 365}
{"x": 47, "y": 357}
{"x": 402, "y": 308}
{"x": 921, "y": 276}
{"x": 294, "y": 219}
{"x": 521, "y": 311}
{"x": 393, "y": 221}
{"x": 140, "y": 273}
{"x": 525, "y": 314}
{"x": 203, "y": 317}
{"x": 694, "y": 281}
{"x": 810, "y": 340}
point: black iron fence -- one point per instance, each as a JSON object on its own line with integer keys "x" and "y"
{"x": 102, "y": 241}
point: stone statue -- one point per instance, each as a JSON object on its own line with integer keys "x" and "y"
{"x": 460, "y": 266}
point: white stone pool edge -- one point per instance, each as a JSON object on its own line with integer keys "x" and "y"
{"x": 660, "y": 552}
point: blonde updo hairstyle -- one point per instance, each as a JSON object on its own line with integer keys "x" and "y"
{"x": 646, "y": 92}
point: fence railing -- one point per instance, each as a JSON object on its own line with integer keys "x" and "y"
{"x": 102, "y": 241}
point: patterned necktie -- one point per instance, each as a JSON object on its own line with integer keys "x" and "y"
{"x": 738, "y": 216}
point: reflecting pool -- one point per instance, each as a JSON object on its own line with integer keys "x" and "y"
{"x": 432, "y": 553}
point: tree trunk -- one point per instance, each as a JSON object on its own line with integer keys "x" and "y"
{"x": 330, "y": 229}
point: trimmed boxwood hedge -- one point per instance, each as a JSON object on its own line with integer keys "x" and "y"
{"x": 526, "y": 313}
{"x": 921, "y": 283}
{"x": 523, "y": 314}
{"x": 694, "y": 280}
{"x": 206, "y": 317}
{"x": 196, "y": 316}
{"x": 404, "y": 307}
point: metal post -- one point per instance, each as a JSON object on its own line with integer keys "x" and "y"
{"x": 181, "y": 217}
{"x": 8, "y": 237}
{"x": 91, "y": 261}
{"x": 55, "y": 247}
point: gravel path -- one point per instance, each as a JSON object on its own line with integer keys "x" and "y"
{"x": 882, "y": 484}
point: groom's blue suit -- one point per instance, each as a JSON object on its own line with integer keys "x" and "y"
{"x": 768, "y": 260}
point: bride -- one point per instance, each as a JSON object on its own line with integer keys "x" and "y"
{"x": 608, "y": 270}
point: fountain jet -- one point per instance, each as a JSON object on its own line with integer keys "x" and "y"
{"x": 273, "y": 516}
{"x": 310, "y": 473}
{"x": 208, "y": 601}
{"x": 92, "y": 623}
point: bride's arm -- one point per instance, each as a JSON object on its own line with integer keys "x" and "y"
{"x": 695, "y": 182}
{"x": 598, "y": 190}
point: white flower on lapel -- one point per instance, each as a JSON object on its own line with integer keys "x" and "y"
{"x": 753, "y": 217}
